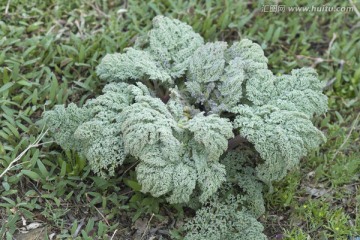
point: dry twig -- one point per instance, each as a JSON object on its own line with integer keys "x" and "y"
{"x": 35, "y": 144}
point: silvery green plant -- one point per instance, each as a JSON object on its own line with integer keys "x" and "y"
{"x": 209, "y": 123}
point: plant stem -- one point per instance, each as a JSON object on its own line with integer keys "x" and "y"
{"x": 235, "y": 142}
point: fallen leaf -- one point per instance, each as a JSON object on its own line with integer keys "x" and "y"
{"x": 315, "y": 191}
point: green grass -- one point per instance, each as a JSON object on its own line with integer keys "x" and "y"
{"x": 48, "y": 54}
